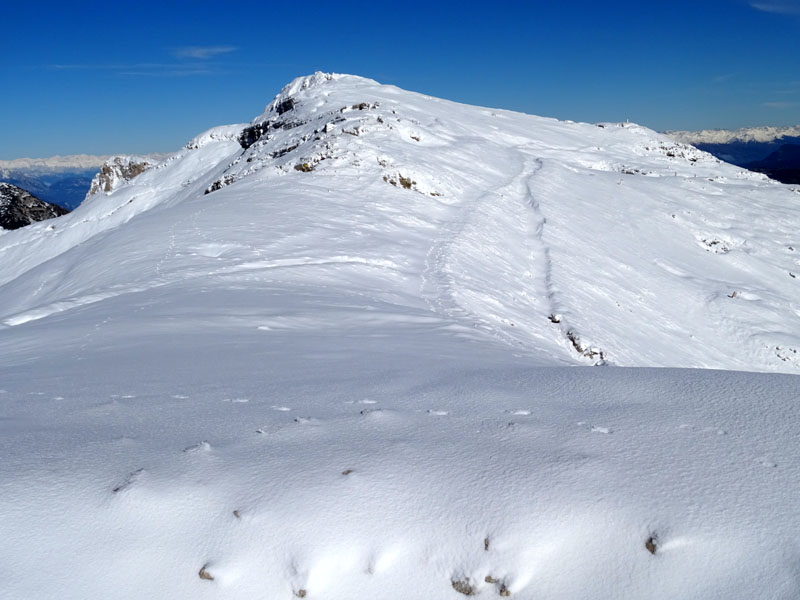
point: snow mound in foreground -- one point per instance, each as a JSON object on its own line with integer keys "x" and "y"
{"x": 330, "y": 353}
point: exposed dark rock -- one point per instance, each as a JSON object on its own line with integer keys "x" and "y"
{"x": 284, "y": 151}
{"x": 250, "y": 135}
{"x": 219, "y": 184}
{"x": 463, "y": 586}
{"x": 204, "y": 574}
{"x": 285, "y": 106}
{"x": 651, "y": 544}
{"x": 405, "y": 182}
{"x": 19, "y": 208}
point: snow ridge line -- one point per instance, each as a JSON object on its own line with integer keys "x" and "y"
{"x": 556, "y": 317}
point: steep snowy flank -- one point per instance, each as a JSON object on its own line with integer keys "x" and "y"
{"x": 334, "y": 353}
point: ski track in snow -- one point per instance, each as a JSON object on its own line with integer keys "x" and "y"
{"x": 518, "y": 198}
{"x": 440, "y": 273}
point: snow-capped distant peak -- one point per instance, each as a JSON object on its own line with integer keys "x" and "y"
{"x": 71, "y": 162}
{"x": 727, "y": 136}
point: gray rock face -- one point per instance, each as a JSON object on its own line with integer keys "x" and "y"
{"x": 19, "y": 208}
{"x": 118, "y": 170}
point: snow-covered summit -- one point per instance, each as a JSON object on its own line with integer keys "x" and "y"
{"x": 585, "y": 234}
{"x": 332, "y": 353}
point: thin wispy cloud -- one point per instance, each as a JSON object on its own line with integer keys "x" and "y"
{"x": 168, "y": 73}
{"x": 722, "y": 78}
{"x": 176, "y": 69}
{"x": 191, "y": 61}
{"x": 202, "y": 52}
{"x": 785, "y": 7}
{"x": 780, "y": 105}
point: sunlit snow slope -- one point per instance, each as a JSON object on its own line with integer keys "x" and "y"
{"x": 317, "y": 355}
{"x": 647, "y": 252}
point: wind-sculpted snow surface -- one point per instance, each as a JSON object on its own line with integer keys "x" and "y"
{"x": 327, "y": 354}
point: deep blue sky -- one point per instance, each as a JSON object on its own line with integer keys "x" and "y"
{"x": 114, "y": 77}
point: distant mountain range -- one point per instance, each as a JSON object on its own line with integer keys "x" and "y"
{"x": 774, "y": 151}
{"x": 60, "y": 180}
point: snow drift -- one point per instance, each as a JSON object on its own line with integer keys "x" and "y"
{"x": 327, "y": 354}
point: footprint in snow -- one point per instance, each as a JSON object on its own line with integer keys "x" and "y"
{"x": 715, "y": 430}
{"x": 595, "y": 428}
{"x": 130, "y": 479}
{"x": 374, "y": 412}
{"x": 203, "y": 446}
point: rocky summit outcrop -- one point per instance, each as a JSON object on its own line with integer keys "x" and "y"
{"x": 117, "y": 170}
{"x": 19, "y": 208}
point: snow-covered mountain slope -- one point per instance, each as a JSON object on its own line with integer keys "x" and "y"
{"x": 329, "y": 354}
{"x": 572, "y": 241}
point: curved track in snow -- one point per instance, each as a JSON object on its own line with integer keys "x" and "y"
{"x": 460, "y": 266}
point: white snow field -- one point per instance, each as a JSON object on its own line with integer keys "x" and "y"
{"x": 336, "y": 354}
